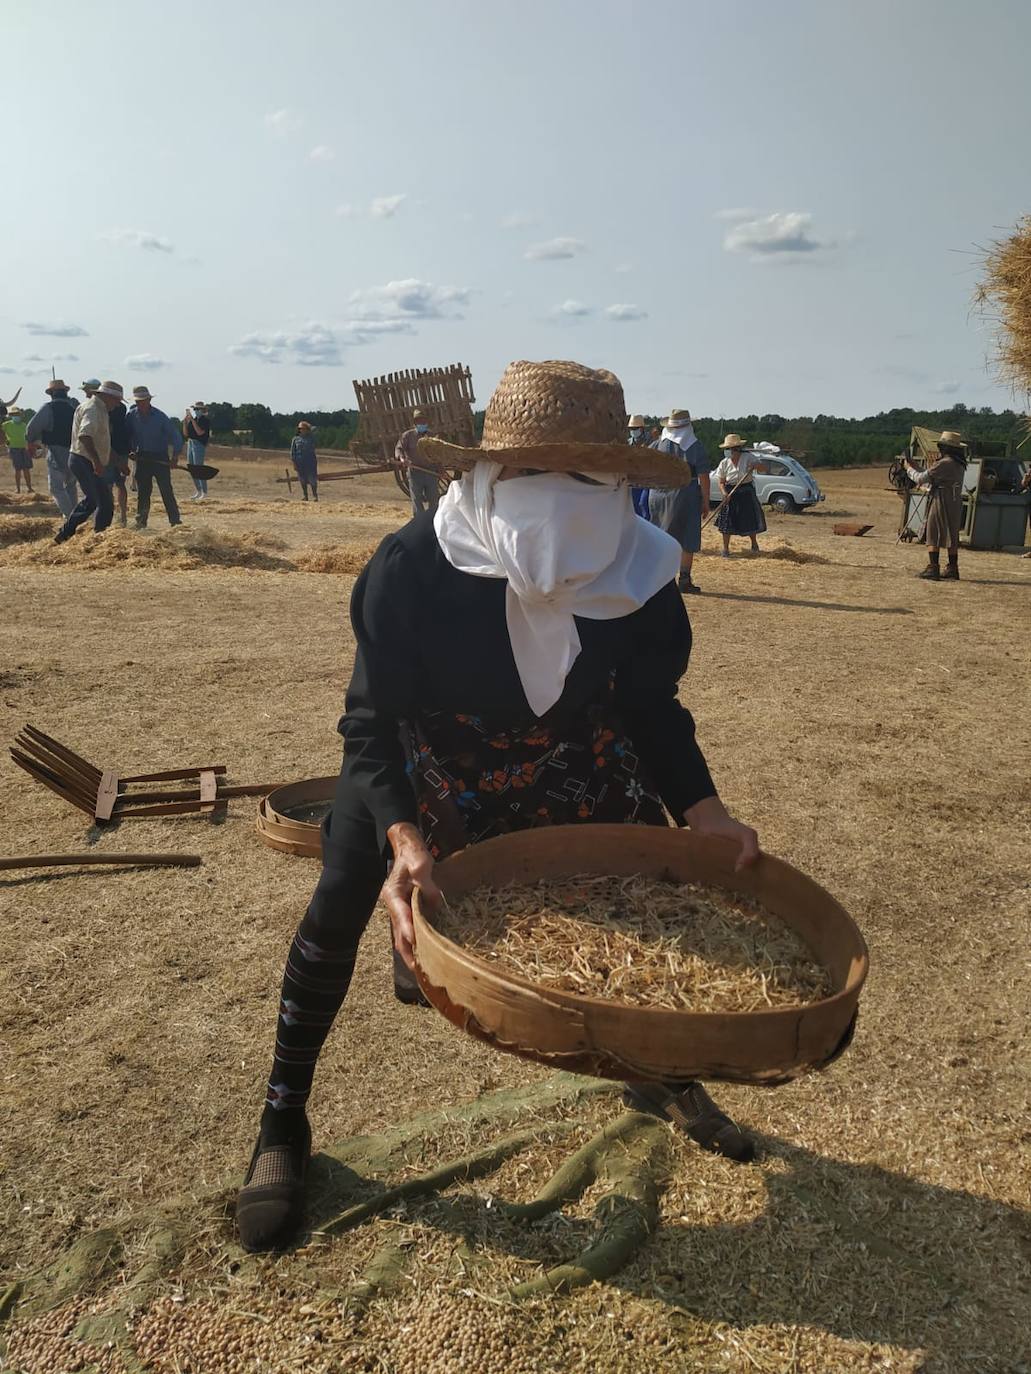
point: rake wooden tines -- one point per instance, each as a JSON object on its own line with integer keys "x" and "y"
{"x": 103, "y": 794}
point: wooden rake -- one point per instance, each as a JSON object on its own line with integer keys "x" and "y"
{"x": 102, "y": 792}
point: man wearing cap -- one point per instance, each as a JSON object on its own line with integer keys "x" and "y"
{"x": 90, "y": 452}
{"x": 680, "y": 510}
{"x": 197, "y": 428}
{"x": 151, "y": 435}
{"x": 51, "y": 426}
{"x": 423, "y": 475}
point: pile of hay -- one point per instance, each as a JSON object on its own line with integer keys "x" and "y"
{"x": 648, "y": 943}
{"x": 332, "y": 558}
{"x": 23, "y": 529}
{"x": 1005, "y": 296}
{"x": 181, "y": 549}
{"x": 26, "y": 498}
{"x": 787, "y": 553}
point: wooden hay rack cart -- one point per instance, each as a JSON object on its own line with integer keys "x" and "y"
{"x": 386, "y": 407}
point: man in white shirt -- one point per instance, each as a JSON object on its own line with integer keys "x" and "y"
{"x": 90, "y": 451}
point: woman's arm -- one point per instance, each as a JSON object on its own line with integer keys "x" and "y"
{"x": 381, "y": 693}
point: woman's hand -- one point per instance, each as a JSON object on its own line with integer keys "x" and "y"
{"x": 413, "y": 868}
{"x": 711, "y": 817}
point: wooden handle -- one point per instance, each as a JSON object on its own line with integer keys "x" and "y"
{"x": 133, "y": 860}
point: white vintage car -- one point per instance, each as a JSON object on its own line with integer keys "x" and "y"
{"x": 780, "y": 482}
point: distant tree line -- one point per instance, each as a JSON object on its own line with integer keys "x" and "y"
{"x": 821, "y": 440}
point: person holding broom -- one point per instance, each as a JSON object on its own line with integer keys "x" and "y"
{"x": 518, "y": 660}
{"x": 740, "y": 511}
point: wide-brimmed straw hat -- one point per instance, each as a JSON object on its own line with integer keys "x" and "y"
{"x": 734, "y": 441}
{"x": 952, "y": 439}
{"x": 637, "y": 422}
{"x": 561, "y": 417}
{"x": 677, "y": 419}
{"x": 111, "y": 389}
{"x": 56, "y": 385}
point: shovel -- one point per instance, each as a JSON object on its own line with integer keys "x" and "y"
{"x": 202, "y": 470}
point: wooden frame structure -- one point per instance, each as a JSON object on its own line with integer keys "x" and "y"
{"x": 386, "y": 405}
{"x": 103, "y": 793}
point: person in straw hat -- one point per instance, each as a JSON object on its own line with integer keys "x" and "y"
{"x": 305, "y": 459}
{"x": 152, "y": 435}
{"x": 13, "y": 426}
{"x": 517, "y": 665}
{"x": 944, "y": 478}
{"x": 423, "y": 473}
{"x": 680, "y": 510}
{"x": 91, "y": 452}
{"x": 51, "y": 426}
{"x": 740, "y": 512}
{"x": 637, "y": 436}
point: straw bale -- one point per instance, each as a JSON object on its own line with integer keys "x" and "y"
{"x": 1004, "y": 296}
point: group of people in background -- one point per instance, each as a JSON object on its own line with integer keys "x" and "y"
{"x": 95, "y": 448}
{"x": 683, "y": 511}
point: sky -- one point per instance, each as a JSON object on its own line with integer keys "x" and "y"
{"x": 744, "y": 207}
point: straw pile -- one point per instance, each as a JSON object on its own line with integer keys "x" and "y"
{"x": 333, "y": 558}
{"x": 1005, "y": 296}
{"x": 23, "y": 529}
{"x": 180, "y": 549}
{"x": 648, "y": 943}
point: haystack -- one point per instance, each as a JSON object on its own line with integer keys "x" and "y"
{"x": 180, "y": 549}
{"x": 1005, "y": 296}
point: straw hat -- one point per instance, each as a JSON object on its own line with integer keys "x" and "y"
{"x": 111, "y": 389}
{"x": 303, "y": 424}
{"x": 637, "y": 422}
{"x": 56, "y": 385}
{"x": 561, "y": 417}
{"x": 952, "y": 438}
{"x": 418, "y": 415}
{"x": 734, "y": 441}
{"x": 141, "y": 393}
{"x": 678, "y": 419}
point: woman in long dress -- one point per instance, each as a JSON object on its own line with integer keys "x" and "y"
{"x": 944, "y": 481}
{"x": 740, "y": 512}
{"x": 680, "y": 509}
{"x": 517, "y": 665}
{"x": 305, "y": 460}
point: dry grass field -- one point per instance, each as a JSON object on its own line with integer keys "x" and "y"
{"x": 874, "y": 728}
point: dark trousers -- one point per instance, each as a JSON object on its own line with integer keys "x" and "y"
{"x": 96, "y": 498}
{"x": 148, "y": 471}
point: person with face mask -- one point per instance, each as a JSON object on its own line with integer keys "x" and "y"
{"x": 637, "y": 435}
{"x": 305, "y": 459}
{"x": 680, "y": 510}
{"x": 423, "y": 475}
{"x": 518, "y": 660}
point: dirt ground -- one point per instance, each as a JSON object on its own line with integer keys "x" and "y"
{"x": 876, "y": 729}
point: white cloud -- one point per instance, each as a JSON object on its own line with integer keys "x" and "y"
{"x": 572, "y": 310}
{"x": 520, "y": 219}
{"x": 553, "y": 249}
{"x": 947, "y": 388}
{"x": 736, "y": 214}
{"x": 139, "y": 238}
{"x": 51, "y": 358}
{"x": 778, "y": 235}
{"x": 144, "y": 362}
{"x": 312, "y": 345}
{"x": 321, "y": 153}
{"x": 409, "y": 299}
{"x": 55, "y": 331}
{"x": 386, "y": 207}
{"x": 283, "y": 122}
{"x": 624, "y": 313}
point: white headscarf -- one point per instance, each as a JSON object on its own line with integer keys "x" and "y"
{"x": 566, "y": 548}
{"x": 683, "y": 436}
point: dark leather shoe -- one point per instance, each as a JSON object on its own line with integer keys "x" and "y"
{"x": 692, "y": 1109}
{"x": 931, "y": 573}
{"x": 270, "y": 1205}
